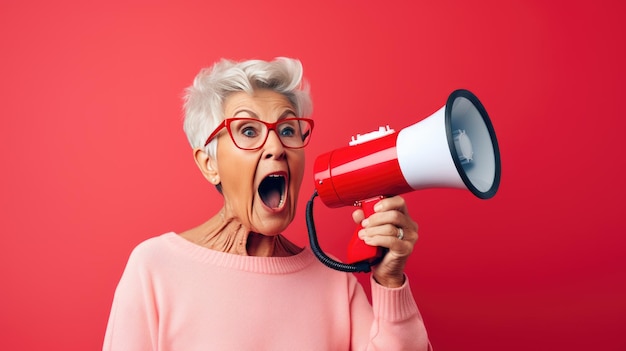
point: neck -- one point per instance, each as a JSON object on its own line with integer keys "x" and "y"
{"x": 261, "y": 245}
{"x": 270, "y": 246}
{"x": 230, "y": 235}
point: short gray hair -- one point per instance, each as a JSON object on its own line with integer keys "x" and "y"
{"x": 203, "y": 100}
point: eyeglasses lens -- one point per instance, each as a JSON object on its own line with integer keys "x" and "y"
{"x": 252, "y": 134}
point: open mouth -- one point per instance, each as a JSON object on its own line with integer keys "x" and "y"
{"x": 272, "y": 190}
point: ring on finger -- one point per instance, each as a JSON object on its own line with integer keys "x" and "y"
{"x": 400, "y": 234}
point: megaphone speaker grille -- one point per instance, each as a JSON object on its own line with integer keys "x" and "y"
{"x": 472, "y": 143}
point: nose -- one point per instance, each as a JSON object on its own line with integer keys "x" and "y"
{"x": 273, "y": 147}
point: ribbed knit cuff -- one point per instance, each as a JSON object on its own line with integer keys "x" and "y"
{"x": 393, "y": 304}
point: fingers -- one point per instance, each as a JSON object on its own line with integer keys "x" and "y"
{"x": 391, "y": 203}
{"x": 389, "y": 222}
{"x": 358, "y": 216}
{"x": 389, "y": 236}
{"x": 390, "y": 226}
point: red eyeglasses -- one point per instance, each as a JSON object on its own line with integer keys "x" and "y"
{"x": 251, "y": 133}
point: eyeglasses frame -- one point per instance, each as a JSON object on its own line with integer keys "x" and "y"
{"x": 270, "y": 126}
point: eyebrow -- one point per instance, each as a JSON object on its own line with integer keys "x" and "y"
{"x": 286, "y": 114}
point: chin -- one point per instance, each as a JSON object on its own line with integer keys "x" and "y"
{"x": 270, "y": 230}
{"x": 273, "y": 225}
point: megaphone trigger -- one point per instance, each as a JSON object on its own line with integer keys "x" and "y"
{"x": 358, "y": 250}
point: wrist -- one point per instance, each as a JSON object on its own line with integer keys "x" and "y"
{"x": 389, "y": 281}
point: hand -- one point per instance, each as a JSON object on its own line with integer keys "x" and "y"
{"x": 382, "y": 229}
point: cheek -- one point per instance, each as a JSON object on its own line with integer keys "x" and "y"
{"x": 238, "y": 179}
{"x": 297, "y": 171}
{"x": 236, "y": 171}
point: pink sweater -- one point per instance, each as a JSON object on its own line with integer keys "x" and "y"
{"x": 177, "y": 296}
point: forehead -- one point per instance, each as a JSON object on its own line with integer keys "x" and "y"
{"x": 260, "y": 102}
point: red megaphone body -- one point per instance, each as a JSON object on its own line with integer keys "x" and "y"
{"x": 360, "y": 175}
{"x": 456, "y": 147}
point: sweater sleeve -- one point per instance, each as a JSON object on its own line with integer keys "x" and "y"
{"x": 397, "y": 323}
{"x": 132, "y": 322}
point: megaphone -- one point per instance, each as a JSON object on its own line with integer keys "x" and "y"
{"x": 455, "y": 147}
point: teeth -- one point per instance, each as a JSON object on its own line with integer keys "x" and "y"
{"x": 282, "y": 195}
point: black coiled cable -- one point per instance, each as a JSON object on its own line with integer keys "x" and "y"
{"x": 362, "y": 266}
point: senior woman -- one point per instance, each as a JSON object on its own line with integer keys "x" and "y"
{"x": 235, "y": 282}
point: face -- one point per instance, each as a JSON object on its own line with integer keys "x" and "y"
{"x": 260, "y": 187}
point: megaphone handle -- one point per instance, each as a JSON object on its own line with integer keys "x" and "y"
{"x": 358, "y": 250}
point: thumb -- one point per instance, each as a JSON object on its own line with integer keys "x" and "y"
{"x": 358, "y": 216}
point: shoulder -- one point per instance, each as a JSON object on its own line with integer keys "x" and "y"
{"x": 150, "y": 249}
{"x": 332, "y": 277}
{"x": 154, "y": 243}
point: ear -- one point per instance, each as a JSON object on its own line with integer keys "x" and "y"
{"x": 207, "y": 166}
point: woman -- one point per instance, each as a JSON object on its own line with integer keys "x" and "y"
{"x": 235, "y": 282}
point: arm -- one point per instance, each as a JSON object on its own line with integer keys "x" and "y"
{"x": 133, "y": 320}
{"x": 397, "y": 324}
{"x": 392, "y": 322}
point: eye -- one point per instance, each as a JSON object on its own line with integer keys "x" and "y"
{"x": 249, "y": 129}
{"x": 287, "y": 132}
{"x": 288, "y": 129}
{"x": 249, "y": 132}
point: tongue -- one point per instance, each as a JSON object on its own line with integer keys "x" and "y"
{"x": 272, "y": 198}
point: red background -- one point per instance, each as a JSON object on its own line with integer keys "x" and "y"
{"x": 94, "y": 159}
